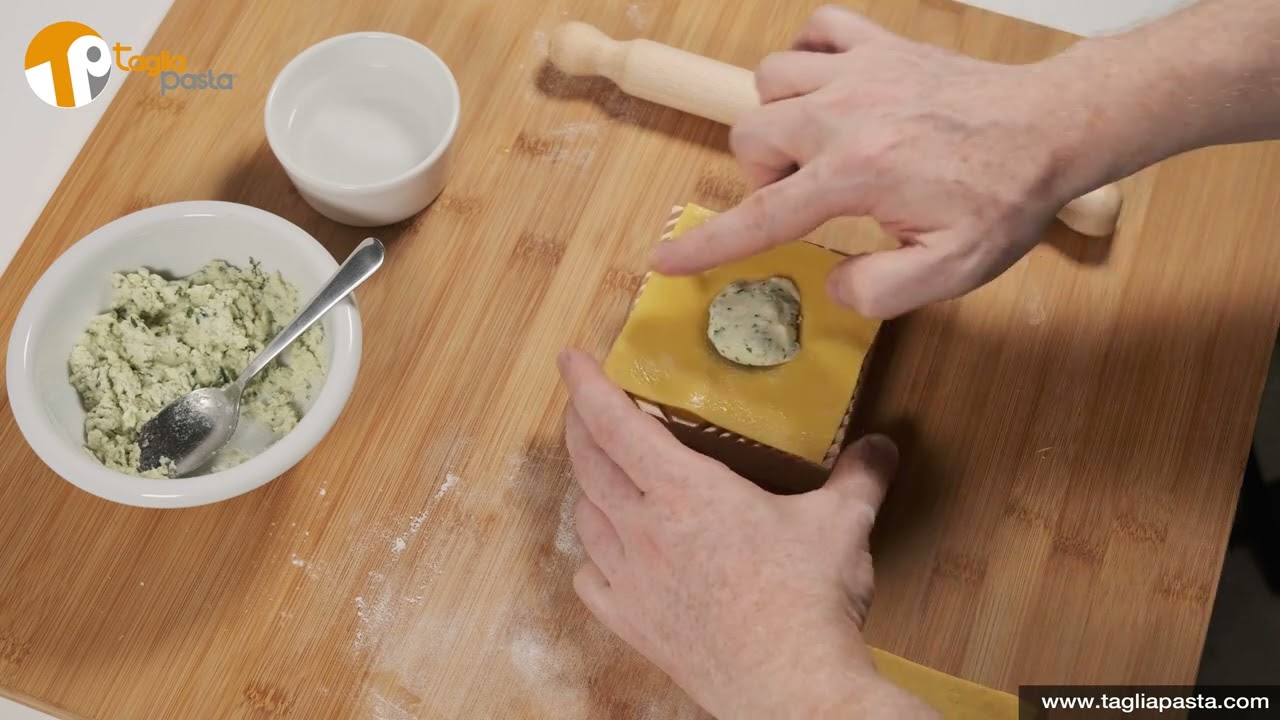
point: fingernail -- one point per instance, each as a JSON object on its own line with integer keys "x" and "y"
{"x": 880, "y": 452}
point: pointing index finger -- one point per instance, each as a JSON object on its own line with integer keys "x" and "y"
{"x": 775, "y": 214}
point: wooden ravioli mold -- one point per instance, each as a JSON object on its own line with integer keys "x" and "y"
{"x": 781, "y": 427}
{"x": 661, "y": 366}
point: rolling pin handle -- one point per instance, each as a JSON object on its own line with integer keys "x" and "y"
{"x": 655, "y": 72}
{"x": 1094, "y": 214}
{"x": 581, "y": 49}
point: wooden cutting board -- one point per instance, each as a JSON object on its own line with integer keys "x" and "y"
{"x": 1074, "y": 433}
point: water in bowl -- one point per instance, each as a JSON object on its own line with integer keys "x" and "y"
{"x": 364, "y": 125}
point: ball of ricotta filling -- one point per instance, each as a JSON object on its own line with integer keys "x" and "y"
{"x": 756, "y": 322}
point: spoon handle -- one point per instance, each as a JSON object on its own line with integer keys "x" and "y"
{"x": 362, "y": 263}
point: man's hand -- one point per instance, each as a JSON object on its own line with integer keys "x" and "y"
{"x": 753, "y": 603}
{"x": 965, "y": 162}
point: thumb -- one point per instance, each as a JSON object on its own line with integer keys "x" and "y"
{"x": 862, "y": 475}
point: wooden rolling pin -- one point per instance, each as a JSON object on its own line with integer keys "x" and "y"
{"x": 719, "y": 91}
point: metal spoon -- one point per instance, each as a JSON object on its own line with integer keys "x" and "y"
{"x": 193, "y": 428}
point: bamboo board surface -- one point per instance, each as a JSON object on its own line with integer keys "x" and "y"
{"x": 1074, "y": 433}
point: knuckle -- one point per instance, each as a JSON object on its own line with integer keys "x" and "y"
{"x": 975, "y": 268}
{"x": 830, "y": 187}
{"x": 962, "y": 262}
{"x": 863, "y": 516}
{"x": 771, "y": 68}
{"x": 816, "y": 107}
{"x": 846, "y": 159}
{"x": 960, "y": 269}
{"x": 875, "y": 145}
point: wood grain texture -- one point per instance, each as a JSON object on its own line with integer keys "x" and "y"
{"x": 1073, "y": 433}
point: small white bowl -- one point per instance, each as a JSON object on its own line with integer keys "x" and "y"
{"x": 175, "y": 239}
{"x": 363, "y": 125}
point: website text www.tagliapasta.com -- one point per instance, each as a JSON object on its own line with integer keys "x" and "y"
{"x": 1160, "y": 703}
{"x": 1081, "y": 701}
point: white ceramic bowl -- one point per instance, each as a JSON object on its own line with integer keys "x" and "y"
{"x": 175, "y": 239}
{"x": 363, "y": 125}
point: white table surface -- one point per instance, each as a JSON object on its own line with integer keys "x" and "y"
{"x": 38, "y": 143}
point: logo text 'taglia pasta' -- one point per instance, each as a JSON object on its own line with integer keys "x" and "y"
{"x": 68, "y": 65}
{"x": 172, "y": 70}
